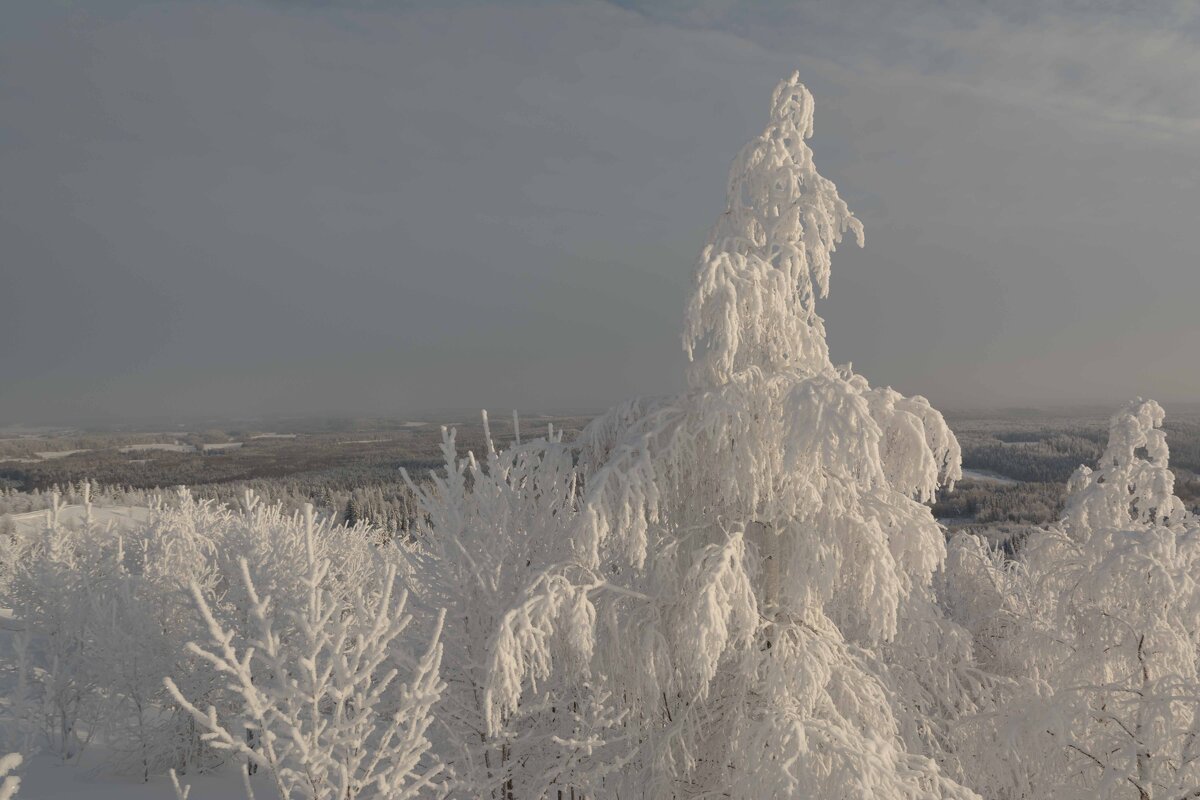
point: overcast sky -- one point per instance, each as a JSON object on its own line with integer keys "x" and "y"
{"x": 268, "y": 207}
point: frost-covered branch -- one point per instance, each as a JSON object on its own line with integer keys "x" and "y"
{"x": 324, "y": 715}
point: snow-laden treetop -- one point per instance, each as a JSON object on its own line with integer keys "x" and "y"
{"x": 767, "y": 258}
{"x": 1132, "y": 484}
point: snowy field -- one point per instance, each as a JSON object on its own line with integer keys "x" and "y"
{"x": 45, "y": 777}
{"x": 59, "y": 453}
{"x": 119, "y": 517}
{"x": 987, "y": 477}
{"x": 216, "y": 448}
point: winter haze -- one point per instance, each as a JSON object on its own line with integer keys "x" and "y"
{"x": 383, "y": 207}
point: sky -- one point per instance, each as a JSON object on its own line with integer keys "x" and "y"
{"x": 291, "y": 208}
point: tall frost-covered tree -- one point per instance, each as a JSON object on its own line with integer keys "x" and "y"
{"x": 1098, "y": 623}
{"x": 743, "y": 552}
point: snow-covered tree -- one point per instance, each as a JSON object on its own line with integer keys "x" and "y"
{"x": 492, "y": 528}
{"x": 1097, "y": 624}
{"x": 52, "y": 586}
{"x": 10, "y": 783}
{"x": 105, "y": 615}
{"x": 104, "y": 620}
{"x": 321, "y": 711}
{"x": 742, "y": 553}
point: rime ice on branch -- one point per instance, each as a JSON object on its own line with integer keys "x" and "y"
{"x": 743, "y": 552}
{"x": 767, "y": 258}
{"x": 1097, "y": 624}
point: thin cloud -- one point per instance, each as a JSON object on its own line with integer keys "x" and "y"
{"x": 241, "y": 208}
{"x": 1126, "y": 64}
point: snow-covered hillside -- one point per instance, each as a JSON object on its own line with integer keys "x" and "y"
{"x": 120, "y": 518}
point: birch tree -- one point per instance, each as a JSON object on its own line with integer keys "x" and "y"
{"x": 743, "y": 552}
{"x": 1101, "y": 627}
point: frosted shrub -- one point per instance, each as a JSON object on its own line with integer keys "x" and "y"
{"x": 106, "y": 620}
{"x": 52, "y": 588}
{"x": 321, "y": 711}
{"x": 492, "y": 528}
{"x": 107, "y": 616}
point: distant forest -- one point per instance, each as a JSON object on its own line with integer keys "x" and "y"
{"x": 351, "y": 471}
{"x": 1038, "y": 453}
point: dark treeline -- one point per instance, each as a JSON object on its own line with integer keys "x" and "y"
{"x": 1042, "y": 453}
{"x": 336, "y": 457}
{"x": 349, "y": 495}
{"x": 1051, "y": 459}
{"x": 986, "y": 503}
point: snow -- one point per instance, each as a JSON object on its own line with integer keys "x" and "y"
{"x": 45, "y": 777}
{"x": 187, "y": 448}
{"x": 1093, "y": 625}
{"x": 987, "y": 476}
{"x": 273, "y": 436}
{"x": 374, "y": 740}
{"x": 121, "y": 517}
{"x": 59, "y": 453}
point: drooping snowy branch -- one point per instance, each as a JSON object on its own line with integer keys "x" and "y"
{"x": 1096, "y": 626}
{"x": 738, "y": 549}
{"x": 10, "y": 783}
{"x": 494, "y": 530}
{"x": 768, "y": 257}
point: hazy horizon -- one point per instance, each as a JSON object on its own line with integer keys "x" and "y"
{"x": 532, "y": 420}
{"x": 364, "y": 209}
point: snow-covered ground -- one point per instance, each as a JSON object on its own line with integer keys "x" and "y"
{"x": 45, "y": 456}
{"x": 59, "y": 453}
{"x": 218, "y": 447}
{"x": 44, "y": 777}
{"x": 987, "y": 476}
{"x": 173, "y": 448}
{"x": 121, "y": 517}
